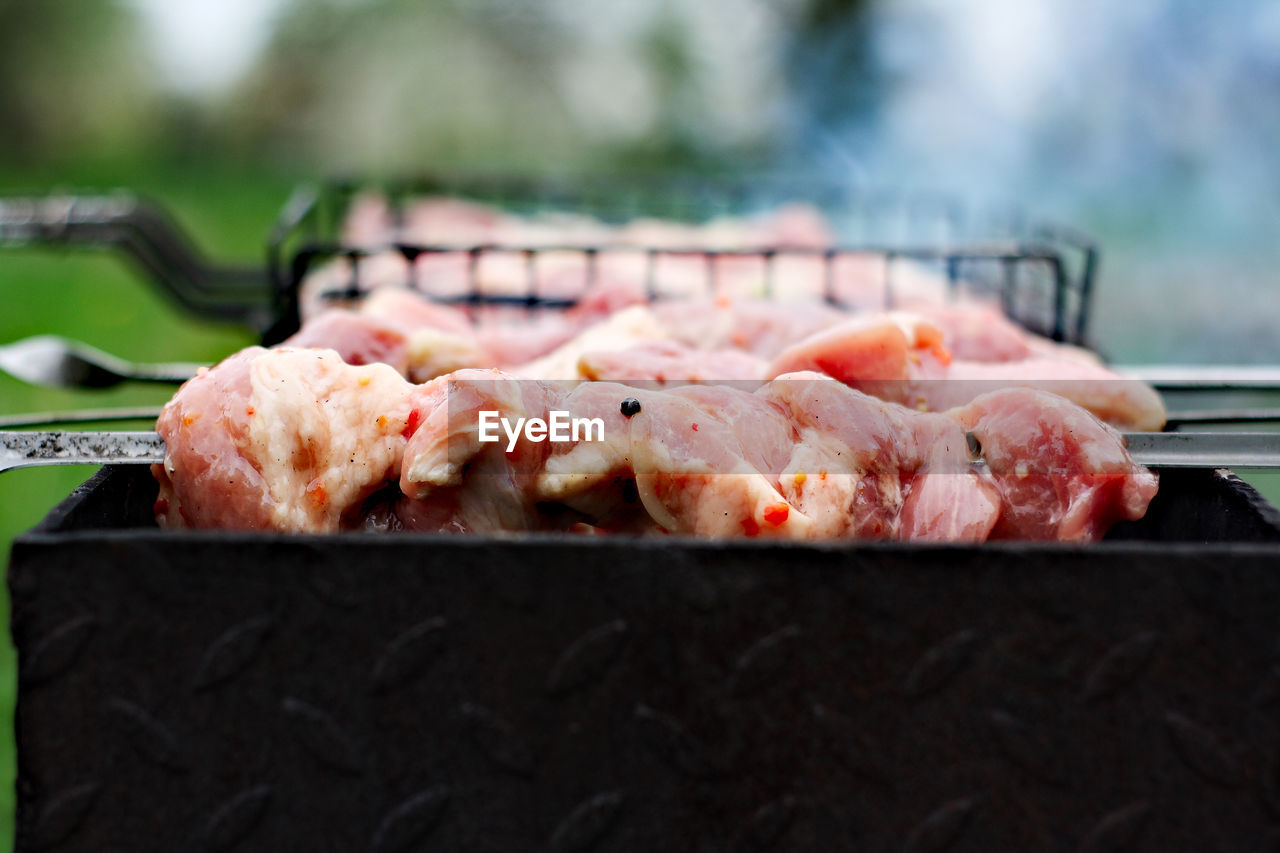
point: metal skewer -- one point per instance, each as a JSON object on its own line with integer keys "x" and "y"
{"x": 79, "y": 416}
{"x": 1226, "y": 377}
{"x": 1155, "y": 449}
{"x": 60, "y": 363}
{"x": 25, "y": 449}
{"x": 1221, "y": 416}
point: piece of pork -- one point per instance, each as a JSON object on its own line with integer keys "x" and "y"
{"x": 357, "y": 338}
{"x": 694, "y": 477}
{"x": 865, "y": 468}
{"x": 1062, "y": 473}
{"x": 516, "y": 335}
{"x": 848, "y": 465}
{"x": 977, "y": 331}
{"x": 286, "y": 439}
{"x": 905, "y": 358}
{"x": 634, "y": 325}
{"x": 420, "y": 339}
{"x": 762, "y": 327}
{"x": 673, "y": 464}
{"x": 660, "y": 363}
{"x": 455, "y": 480}
{"x": 297, "y": 440}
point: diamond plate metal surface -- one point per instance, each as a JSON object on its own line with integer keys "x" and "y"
{"x": 152, "y": 740}
{"x": 1120, "y": 666}
{"x": 587, "y": 658}
{"x": 1119, "y": 830}
{"x": 61, "y": 815}
{"x": 323, "y": 737}
{"x": 232, "y": 822}
{"x": 252, "y": 693}
{"x": 940, "y": 664}
{"x": 408, "y": 654}
{"x": 942, "y": 827}
{"x": 57, "y": 650}
{"x": 407, "y": 824}
{"x": 587, "y": 825}
{"x": 233, "y": 650}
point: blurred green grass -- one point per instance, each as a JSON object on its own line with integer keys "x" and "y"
{"x": 99, "y": 298}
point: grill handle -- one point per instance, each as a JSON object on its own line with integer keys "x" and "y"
{"x": 144, "y": 233}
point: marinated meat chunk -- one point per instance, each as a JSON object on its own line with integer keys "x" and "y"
{"x": 762, "y": 327}
{"x": 694, "y": 477}
{"x": 872, "y": 469}
{"x": 1062, "y": 474}
{"x": 285, "y": 439}
{"x": 907, "y": 359}
{"x": 664, "y": 362}
{"x": 357, "y": 338}
{"x": 298, "y": 440}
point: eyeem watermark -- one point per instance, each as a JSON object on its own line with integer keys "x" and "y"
{"x": 559, "y": 426}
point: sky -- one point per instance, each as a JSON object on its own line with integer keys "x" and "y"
{"x": 202, "y": 46}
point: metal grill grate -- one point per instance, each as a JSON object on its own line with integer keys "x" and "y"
{"x": 1040, "y": 275}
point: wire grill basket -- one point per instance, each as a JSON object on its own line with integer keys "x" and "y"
{"x": 882, "y": 246}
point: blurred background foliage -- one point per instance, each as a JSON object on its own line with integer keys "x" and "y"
{"x": 1151, "y": 123}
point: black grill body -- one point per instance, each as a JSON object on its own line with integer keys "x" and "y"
{"x": 232, "y": 691}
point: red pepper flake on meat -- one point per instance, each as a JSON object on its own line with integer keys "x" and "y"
{"x": 694, "y": 427}
{"x": 776, "y": 514}
{"x": 750, "y": 527}
{"x": 249, "y": 410}
{"x": 161, "y": 507}
{"x": 382, "y": 422}
{"x": 316, "y": 493}
{"x": 188, "y": 420}
{"x": 411, "y": 426}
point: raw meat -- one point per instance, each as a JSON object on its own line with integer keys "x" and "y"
{"x": 906, "y": 358}
{"x": 285, "y": 439}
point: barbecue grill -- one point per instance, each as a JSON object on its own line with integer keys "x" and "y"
{"x": 220, "y": 690}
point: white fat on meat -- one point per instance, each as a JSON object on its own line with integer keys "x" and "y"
{"x": 668, "y": 362}
{"x": 420, "y": 339}
{"x": 906, "y": 358}
{"x": 287, "y": 439}
{"x": 865, "y": 468}
{"x": 439, "y": 338}
{"x": 358, "y": 339}
{"x": 762, "y": 327}
{"x": 694, "y": 478}
{"x": 455, "y": 481}
{"x": 872, "y": 347}
{"x": 588, "y": 475}
{"x": 978, "y": 331}
{"x": 622, "y": 329}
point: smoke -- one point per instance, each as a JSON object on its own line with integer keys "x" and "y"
{"x": 1152, "y": 123}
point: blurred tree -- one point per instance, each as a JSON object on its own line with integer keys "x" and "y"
{"x": 387, "y": 84}
{"x": 835, "y": 85}
{"x": 74, "y": 80}
{"x": 395, "y": 85}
